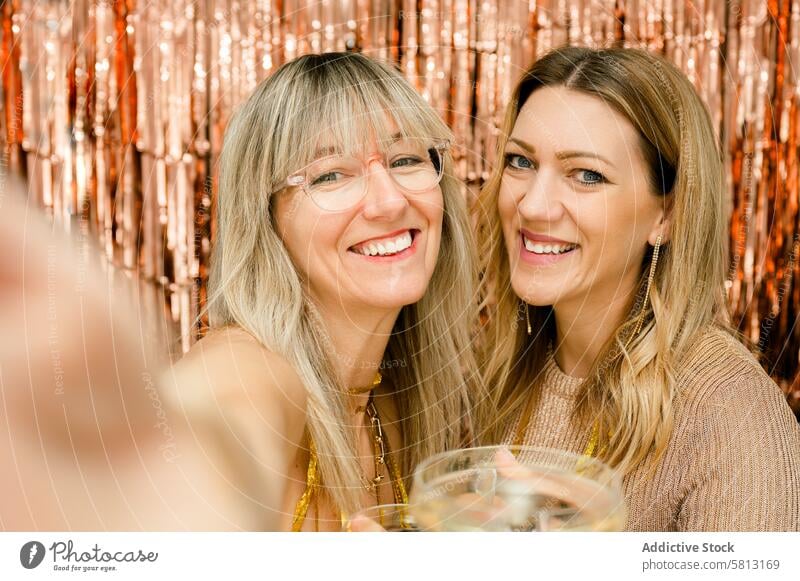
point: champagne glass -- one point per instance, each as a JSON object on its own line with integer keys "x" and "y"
{"x": 530, "y": 489}
{"x": 389, "y": 517}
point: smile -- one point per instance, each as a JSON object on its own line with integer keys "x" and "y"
{"x": 550, "y": 248}
{"x": 394, "y": 244}
{"x": 545, "y": 252}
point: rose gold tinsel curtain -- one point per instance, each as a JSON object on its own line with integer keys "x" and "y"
{"x": 115, "y": 112}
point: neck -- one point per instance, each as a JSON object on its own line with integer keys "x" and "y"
{"x": 358, "y": 346}
{"x": 583, "y": 329}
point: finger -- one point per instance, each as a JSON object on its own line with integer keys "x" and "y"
{"x": 503, "y": 458}
{"x": 361, "y": 524}
{"x": 509, "y": 467}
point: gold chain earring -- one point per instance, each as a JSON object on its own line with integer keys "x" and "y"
{"x": 650, "y": 278}
{"x": 527, "y": 317}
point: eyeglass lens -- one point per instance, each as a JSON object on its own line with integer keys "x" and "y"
{"x": 339, "y": 182}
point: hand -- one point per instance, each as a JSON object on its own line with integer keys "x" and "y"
{"x": 81, "y": 406}
{"x": 362, "y": 524}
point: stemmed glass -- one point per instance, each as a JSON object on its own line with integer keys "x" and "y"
{"x": 516, "y": 488}
{"x": 386, "y": 517}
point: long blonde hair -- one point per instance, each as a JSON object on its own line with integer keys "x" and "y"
{"x": 631, "y": 386}
{"x": 253, "y": 283}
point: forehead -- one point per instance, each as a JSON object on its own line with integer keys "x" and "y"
{"x": 328, "y": 144}
{"x": 559, "y": 119}
{"x": 357, "y": 135}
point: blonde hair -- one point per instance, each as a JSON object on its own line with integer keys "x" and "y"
{"x": 351, "y": 100}
{"x": 631, "y": 386}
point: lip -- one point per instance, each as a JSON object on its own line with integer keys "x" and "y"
{"x": 415, "y": 235}
{"x": 542, "y": 238}
{"x": 542, "y": 259}
{"x": 394, "y": 234}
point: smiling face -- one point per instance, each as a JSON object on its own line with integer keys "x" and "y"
{"x": 377, "y": 255}
{"x": 576, "y": 208}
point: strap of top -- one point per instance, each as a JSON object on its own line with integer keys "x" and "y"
{"x": 312, "y": 483}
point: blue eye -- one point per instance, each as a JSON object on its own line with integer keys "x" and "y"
{"x": 588, "y": 177}
{"x": 517, "y": 161}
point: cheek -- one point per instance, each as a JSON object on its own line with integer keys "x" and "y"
{"x": 508, "y": 214}
{"x": 611, "y": 230}
{"x": 507, "y": 208}
{"x": 436, "y": 212}
{"x": 437, "y": 203}
{"x": 307, "y": 237}
{"x": 431, "y": 207}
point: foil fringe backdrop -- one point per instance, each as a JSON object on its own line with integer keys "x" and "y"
{"x": 115, "y": 112}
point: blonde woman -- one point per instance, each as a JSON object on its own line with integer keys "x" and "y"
{"x": 340, "y": 295}
{"x": 606, "y": 249}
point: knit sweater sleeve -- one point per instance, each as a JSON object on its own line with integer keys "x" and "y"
{"x": 743, "y": 457}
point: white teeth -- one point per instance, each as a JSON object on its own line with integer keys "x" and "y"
{"x": 404, "y": 241}
{"x": 386, "y": 247}
{"x": 547, "y": 248}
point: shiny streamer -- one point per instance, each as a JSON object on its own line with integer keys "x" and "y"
{"x": 115, "y": 110}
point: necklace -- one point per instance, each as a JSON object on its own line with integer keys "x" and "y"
{"x": 382, "y": 459}
{"x": 376, "y": 436}
{"x": 367, "y": 388}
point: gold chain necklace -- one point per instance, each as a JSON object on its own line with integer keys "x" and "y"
{"x": 367, "y": 388}
{"x": 382, "y": 458}
{"x": 376, "y": 436}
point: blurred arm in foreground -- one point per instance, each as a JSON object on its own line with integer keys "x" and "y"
{"x": 87, "y": 440}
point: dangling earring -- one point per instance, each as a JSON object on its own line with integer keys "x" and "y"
{"x": 650, "y": 277}
{"x": 527, "y": 317}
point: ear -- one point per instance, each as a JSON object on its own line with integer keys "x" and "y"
{"x": 663, "y": 224}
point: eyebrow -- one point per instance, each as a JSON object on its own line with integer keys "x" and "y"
{"x": 562, "y": 155}
{"x": 326, "y": 151}
{"x": 396, "y": 137}
{"x": 523, "y": 144}
{"x": 570, "y": 154}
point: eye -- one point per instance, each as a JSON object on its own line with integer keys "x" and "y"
{"x": 588, "y": 177}
{"x": 516, "y": 161}
{"x": 329, "y": 178}
{"x": 405, "y": 161}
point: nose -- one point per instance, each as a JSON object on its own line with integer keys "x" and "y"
{"x": 384, "y": 200}
{"x": 541, "y": 201}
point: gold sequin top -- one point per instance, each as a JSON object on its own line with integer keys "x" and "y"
{"x": 313, "y": 488}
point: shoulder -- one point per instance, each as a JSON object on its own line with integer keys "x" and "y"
{"x": 243, "y": 408}
{"x": 721, "y": 384}
{"x": 737, "y": 441}
{"x": 716, "y": 363}
{"x": 231, "y": 365}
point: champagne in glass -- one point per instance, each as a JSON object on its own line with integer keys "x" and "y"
{"x": 395, "y": 518}
{"x": 541, "y": 490}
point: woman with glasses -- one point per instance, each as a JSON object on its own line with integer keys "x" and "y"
{"x": 605, "y": 243}
{"x": 340, "y": 296}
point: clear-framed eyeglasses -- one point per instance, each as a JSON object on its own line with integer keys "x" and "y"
{"x": 338, "y": 182}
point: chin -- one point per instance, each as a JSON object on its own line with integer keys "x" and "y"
{"x": 395, "y": 299}
{"x": 536, "y": 297}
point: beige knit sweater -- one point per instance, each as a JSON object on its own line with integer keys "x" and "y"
{"x": 732, "y": 462}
